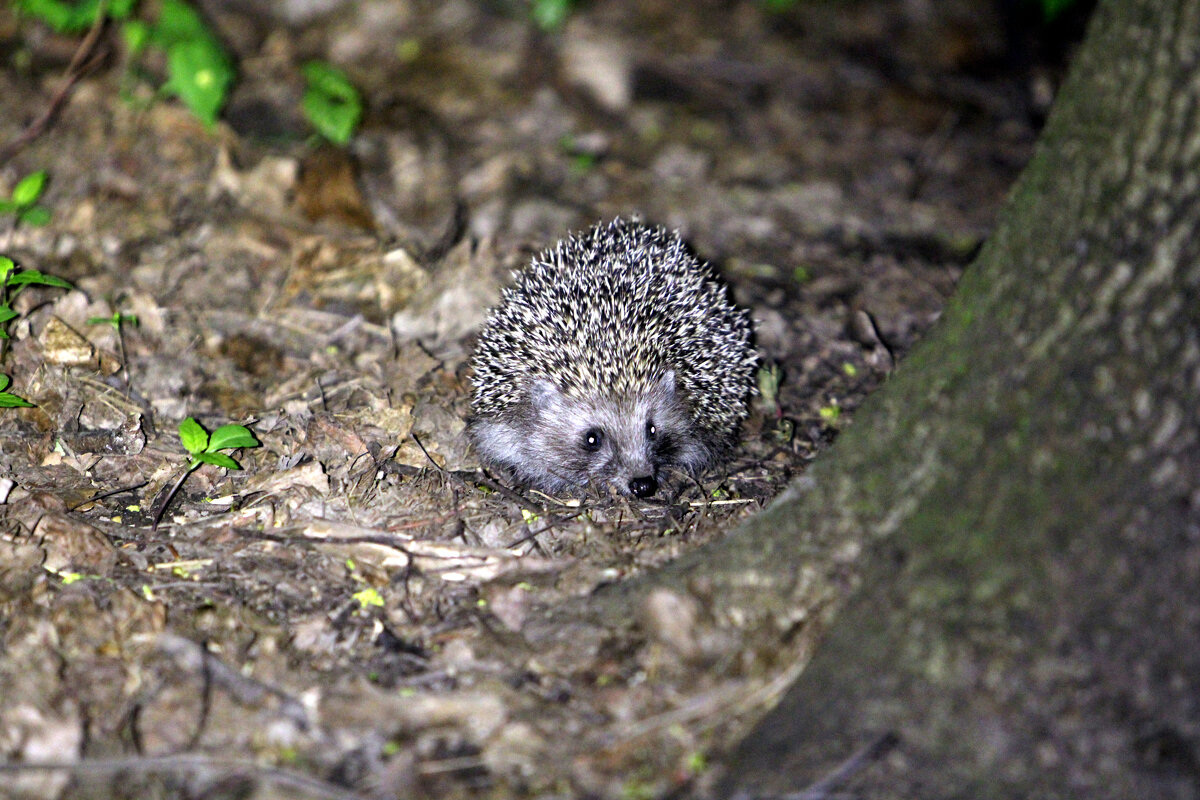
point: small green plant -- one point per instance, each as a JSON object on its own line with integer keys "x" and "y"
{"x": 118, "y": 320}
{"x": 331, "y": 103}
{"x": 769, "y": 378}
{"x": 549, "y": 15}
{"x": 12, "y": 280}
{"x": 8, "y": 399}
{"x": 1052, "y": 8}
{"x": 75, "y": 17}
{"x": 582, "y": 161}
{"x": 784, "y": 431}
{"x": 204, "y": 448}
{"x": 23, "y": 202}
{"x": 368, "y": 597}
{"x": 408, "y": 50}
{"x": 199, "y": 72}
{"x": 829, "y": 414}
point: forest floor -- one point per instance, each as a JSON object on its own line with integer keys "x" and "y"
{"x": 342, "y": 617}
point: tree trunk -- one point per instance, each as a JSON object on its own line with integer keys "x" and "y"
{"x": 1026, "y": 487}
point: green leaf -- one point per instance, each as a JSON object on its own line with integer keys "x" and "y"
{"x": 6, "y": 266}
{"x": 179, "y": 22}
{"x": 136, "y": 34}
{"x": 199, "y": 74}
{"x": 32, "y": 276}
{"x": 36, "y": 216}
{"x": 62, "y": 16}
{"x": 1052, "y": 8}
{"x": 549, "y": 15}
{"x": 121, "y": 9}
{"x": 8, "y": 206}
{"x": 9, "y": 400}
{"x": 12, "y": 401}
{"x": 228, "y": 437}
{"x": 368, "y": 597}
{"x": 193, "y": 436}
{"x": 117, "y": 319}
{"x": 198, "y": 71}
{"x": 218, "y": 459}
{"x": 328, "y": 79}
{"x": 29, "y": 188}
{"x": 53, "y": 13}
{"x": 331, "y": 103}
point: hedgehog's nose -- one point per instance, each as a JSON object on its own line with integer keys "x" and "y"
{"x": 643, "y": 487}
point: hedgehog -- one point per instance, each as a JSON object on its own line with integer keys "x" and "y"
{"x": 614, "y": 359}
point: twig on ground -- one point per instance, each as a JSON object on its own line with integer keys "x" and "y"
{"x": 823, "y": 789}
{"x": 81, "y": 64}
{"x": 243, "y": 689}
{"x": 190, "y": 763}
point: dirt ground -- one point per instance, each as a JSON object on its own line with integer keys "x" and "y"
{"x": 342, "y": 617}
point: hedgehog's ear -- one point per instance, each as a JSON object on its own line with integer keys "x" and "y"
{"x": 666, "y": 385}
{"x": 543, "y": 394}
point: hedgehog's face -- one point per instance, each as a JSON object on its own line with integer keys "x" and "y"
{"x": 624, "y": 444}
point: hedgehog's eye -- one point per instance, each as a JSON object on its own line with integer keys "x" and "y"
{"x": 592, "y": 439}
{"x": 651, "y": 429}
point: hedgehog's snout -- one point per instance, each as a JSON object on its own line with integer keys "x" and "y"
{"x": 644, "y": 486}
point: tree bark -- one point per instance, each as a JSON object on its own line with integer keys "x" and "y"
{"x": 1026, "y": 487}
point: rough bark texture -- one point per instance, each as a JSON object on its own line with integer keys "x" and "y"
{"x": 1028, "y": 623}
